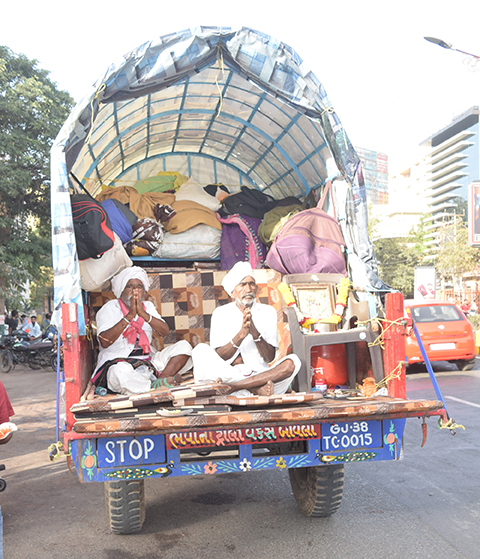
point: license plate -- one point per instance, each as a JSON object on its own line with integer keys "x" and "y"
{"x": 440, "y": 347}
{"x": 355, "y": 434}
{"x": 131, "y": 451}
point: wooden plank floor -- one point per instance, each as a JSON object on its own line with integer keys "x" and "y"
{"x": 321, "y": 410}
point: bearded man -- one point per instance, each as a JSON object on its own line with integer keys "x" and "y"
{"x": 125, "y": 363}
{"x": 243, "y": 341}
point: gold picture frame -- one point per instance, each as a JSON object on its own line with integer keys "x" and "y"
{"x": 315, "y": 301}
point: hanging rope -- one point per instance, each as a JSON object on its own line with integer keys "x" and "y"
{"x": 450, "y": 424}
{"x": 381, "y": 321}
{"x": 394, "y": 375}
{"x": 55, "y": 451}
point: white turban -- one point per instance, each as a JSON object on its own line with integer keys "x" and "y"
{"x": 122, "y": 278}
{"x": 239, "y": 271}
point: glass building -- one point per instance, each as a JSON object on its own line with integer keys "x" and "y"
{"x": 375, "y": 174}
{"x": 452, "y": 165}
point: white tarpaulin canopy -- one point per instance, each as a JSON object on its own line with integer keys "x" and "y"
{"x": 221, "y": 106}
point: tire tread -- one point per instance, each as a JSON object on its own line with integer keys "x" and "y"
{"x": 125, "y": 505}
{"x": 318, "y": 490}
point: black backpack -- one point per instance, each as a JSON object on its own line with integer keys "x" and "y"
{"x": 93, "y": 232}
{"x": 249, "y": 201}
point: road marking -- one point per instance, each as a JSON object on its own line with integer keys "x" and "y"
{"x": 463, "y": 401}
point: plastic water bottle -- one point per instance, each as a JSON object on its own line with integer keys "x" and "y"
{"x": 318, "y": 380}
{"x": 101, "y": 391}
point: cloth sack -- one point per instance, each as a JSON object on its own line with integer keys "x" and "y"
{"x": 146, "y": 238}
{"x": 161, "y": 182}
{"x": 188, "y": 214}
{"x": 274, "y": 220}
{"x": 117, "y": 213}
{"x": 141, "y": 204}
{"x": 240, "y": 242}
{"x": 95, "y": 274}
{"x": 201, "y": 242}
{"x": 248, "y": 202}
{"x": 310, "y": 242}
{"x": 190, "y": 190}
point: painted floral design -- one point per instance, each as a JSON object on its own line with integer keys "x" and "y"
{"x": 245, "y": 465}
{"x": 89, "y": 461}
{"x": 391, "y": 439}
{"x": 281, "y": 463}
{"x": 210, "y": 468}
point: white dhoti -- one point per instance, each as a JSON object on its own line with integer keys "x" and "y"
{"x": 182, "y": 347}
{"x": 208, "y": 367}
{"x": 124, "y": 379}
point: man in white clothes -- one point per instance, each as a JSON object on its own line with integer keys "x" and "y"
{"x": 124, "y": 329}
{"x": 243, "y": 341}
{"x": 35, "y": 332}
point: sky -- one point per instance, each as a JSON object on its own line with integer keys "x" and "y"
{"x": 391, "y": 89}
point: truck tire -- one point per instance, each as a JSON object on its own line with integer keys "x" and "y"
{"x": 465, "y": 364}
{"x": 6, "y": 361}
{"x": 125, "y": 505}
{"x": 318, "y": 490}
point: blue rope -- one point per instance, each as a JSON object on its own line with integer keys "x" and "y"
{"x": 429, "y": 368}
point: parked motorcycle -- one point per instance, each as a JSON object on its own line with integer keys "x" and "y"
{"x": 16, "y": 349}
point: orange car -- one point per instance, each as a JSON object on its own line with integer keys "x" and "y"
{"x": 445, "y": 332}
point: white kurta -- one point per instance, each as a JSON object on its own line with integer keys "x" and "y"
{"x": 107, "y": 317}
{"x": 122, "y": 377}
{"x": 227, "y": 321}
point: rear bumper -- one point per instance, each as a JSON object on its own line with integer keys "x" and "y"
{"x": 356, "y": 431}
{"x": 464, "y": 350}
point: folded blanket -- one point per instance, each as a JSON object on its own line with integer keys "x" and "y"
{"x": 189, "y": 214}
{"x": 141, "y": 204}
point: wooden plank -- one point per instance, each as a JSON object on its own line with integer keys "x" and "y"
{"x": 325, "y": 410}
{"x": 119, "y": 402}
{"x": 252, "y": 401}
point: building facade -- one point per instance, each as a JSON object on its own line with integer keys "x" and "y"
{"x": 375, "y": 174}
{"x": 452, "y": 164}
{"x": 406, "y": 203}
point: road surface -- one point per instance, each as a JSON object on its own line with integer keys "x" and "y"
{"x": 427, "y": 505}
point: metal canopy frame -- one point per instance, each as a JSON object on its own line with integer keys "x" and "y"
{"x": 224, "y": 106}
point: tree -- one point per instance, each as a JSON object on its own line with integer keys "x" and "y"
{"x": 456, "y": 257}
{"x": 32, "y": 110}
{"x": 397, "y": 259}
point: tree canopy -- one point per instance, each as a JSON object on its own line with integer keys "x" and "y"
{"x": 398, "y": 257}
{"x": 456, "y": 257}
{"x": 32, "y": 111}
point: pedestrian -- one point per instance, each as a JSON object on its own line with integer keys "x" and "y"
{"x": 6, "y": 412}
{"x": 12, "y": 321}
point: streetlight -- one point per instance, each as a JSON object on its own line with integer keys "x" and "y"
{"x": 445, "y": 45}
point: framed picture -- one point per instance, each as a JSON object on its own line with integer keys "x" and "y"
{"x": 315, "y": 301}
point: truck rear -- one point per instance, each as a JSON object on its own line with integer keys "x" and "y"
{"x": 226, "y": 109}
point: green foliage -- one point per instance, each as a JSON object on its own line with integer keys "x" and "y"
{"x": 475, "y": 321}
{"x": 32, "y": 110}
{"x": 397, "y": 259}
{"x": 456, "y": 257}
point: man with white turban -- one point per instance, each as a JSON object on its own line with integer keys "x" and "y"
{"x": 124, "y": 331}
{"x": 243, "y": 341}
